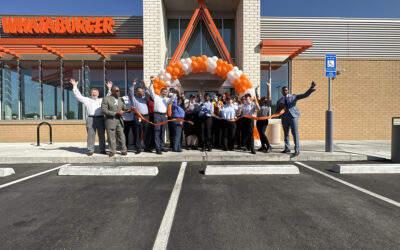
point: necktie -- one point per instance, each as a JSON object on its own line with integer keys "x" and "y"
{"x": 286, "y": 103}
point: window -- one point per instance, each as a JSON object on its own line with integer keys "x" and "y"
{"x": 51, "y": 90}
{"x": 115, "y": 72}
{"x": 72, "y": 107}
{"x": 30, "y": 90}
{"x": 135, "y": 70}
{"x": 173, "y": 36}
{"x": 200, "y": 42}
{"x": 94, "y": 77}
{"x": 279, "y": 78}
{"x": 9, "y": 91}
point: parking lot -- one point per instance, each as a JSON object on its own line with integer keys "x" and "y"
{"x": 304, "y": 211}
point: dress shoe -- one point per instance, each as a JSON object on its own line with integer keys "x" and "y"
{"x": 209, "y": 149}
{"x": 244, "y": 149}
{"x": 253, "y": 152}
{"x": 268, "y": 150}
{"x": 158, "y": 152}
{"x": 103, "y": 152}
{"x": 90, "y": 153}
{"x": 194, "y": 148}
{"x": 111, "y": 154}
{"x": 203, "y": 149}
{"x": 285, "y": 151}
{"x": 124, "y": 153}
{"x": 138, "y": 152}
{"x": 187, "y": 147}
{"x": 296, "y": 154}
{"x": 165, "y": 150}
{"x": 148, "y": 150}
{"x": 262, "y": 149}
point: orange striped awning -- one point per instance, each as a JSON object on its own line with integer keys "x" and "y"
{"x": 289, "y": 48}
{"x": 18, "y": 47}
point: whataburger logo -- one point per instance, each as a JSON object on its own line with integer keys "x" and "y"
{"x": 58, "y": 25}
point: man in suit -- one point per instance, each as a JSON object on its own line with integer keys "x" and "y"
{"x": 113, "y": 107}
{"x": 290, "y": 117}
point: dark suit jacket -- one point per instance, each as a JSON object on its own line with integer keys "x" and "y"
{"x": 292, "y": 103}
{"x": 110, "y": 110}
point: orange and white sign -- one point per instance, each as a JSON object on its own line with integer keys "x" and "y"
{"x": 58, "y": 25}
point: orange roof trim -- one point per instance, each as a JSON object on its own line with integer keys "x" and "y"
{"x": 70, "y": 46}
{"x": 290, "y": 48}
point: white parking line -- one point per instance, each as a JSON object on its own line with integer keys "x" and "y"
{"x": 161, "y": 241}
{"x": 351, "y": 185}
{"x": 31, "y": 176}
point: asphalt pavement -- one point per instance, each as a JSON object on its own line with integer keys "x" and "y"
{"x": 304, "y": 211}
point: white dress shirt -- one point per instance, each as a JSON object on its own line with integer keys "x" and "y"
{"x": 228, "y": 112}
{"x": 160, "y": 103}
{"x": 93, "y": 107}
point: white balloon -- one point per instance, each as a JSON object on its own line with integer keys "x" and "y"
{"x": 213, "y": 65}
{"x": 231, "y": 77}
{"x": 215, "y": 58}
{"x": 183, "y": 60}
{"x": 167, "y": 76}
{"x": 168, "y": 83}
{"x": 235, "y": 68}
{"x": 185, "y": 67}
{"x": 236, "y": 74}
{"x": 188, "y": 60}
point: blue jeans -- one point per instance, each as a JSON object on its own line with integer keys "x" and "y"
{"x": 289, "y": 122}
{"x": 159, "y": 131}
{"x": 177, "y": 134}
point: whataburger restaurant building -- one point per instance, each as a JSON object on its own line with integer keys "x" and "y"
{"x": 39, "y": 54}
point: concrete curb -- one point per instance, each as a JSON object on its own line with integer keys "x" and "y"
{"x": 367, "y": 168}
{"x": 109, "y": 170}
{"x": 251, "y": 170}
{"x": 181, "y": 157}
{"x": 6, "y": 172}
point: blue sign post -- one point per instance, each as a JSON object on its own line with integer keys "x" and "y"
{"x": 330, "y": 71}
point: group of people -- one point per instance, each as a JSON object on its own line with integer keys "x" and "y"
{"x": 203, "y": 123}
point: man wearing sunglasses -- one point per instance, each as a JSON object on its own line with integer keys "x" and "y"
{"x": 113, "y": 107}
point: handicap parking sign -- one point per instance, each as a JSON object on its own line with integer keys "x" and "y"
{"x": 330, "y": 65}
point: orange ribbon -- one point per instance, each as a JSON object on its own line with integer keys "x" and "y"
{"x": 260, "y": 118}
{"x": 161, "y": 123}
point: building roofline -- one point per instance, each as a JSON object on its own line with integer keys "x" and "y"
{"x": 340, "y": 19}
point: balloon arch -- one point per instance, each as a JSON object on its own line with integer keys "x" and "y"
{"x": 234, "y": 77}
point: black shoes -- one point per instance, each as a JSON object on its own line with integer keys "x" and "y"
{"x": 253, "y": 152}
{"x": 295, "y": 154}
{"x": 268, "y": 150}
{"x": 262, "y": 149}
{"x": 138, "y": 152}
{"x": 165, "y": 150}
{"x": 158, "y": 152}
{"x": 203, "y": 149}
{"x": 285, "y": 151}
{"x": 209, "y": 149}
{"x": 148, "y": 150}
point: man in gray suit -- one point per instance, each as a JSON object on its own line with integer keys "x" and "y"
{"x": 113, "y": 107}
{"x": 290, "y": 117}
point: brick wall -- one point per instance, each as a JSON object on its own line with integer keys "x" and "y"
{"x": 248, "y": 39}
{"x": 364, "y": 98}
{"x": 154, "y": 38}
{"x": 26, "y": 131}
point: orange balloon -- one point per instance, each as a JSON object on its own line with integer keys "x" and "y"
{"x": 204, "y": 57}
{"x": 179, "y": 64}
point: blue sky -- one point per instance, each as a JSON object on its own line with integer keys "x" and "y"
{"x": 286, "y": 8}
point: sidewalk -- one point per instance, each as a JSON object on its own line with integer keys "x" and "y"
{"x": 76, "y": 153}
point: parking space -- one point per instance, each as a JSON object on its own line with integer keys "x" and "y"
{"x": 387, "y": 185}
{"x": 85, "y": 212}
{"x": 305, "y": 211}
{"x": 25, "y": 170}
{"x": 297, "y": 211}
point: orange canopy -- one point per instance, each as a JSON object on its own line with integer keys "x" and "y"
{"x": 69, "y": 46}
{"x": 290, "y": 48}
